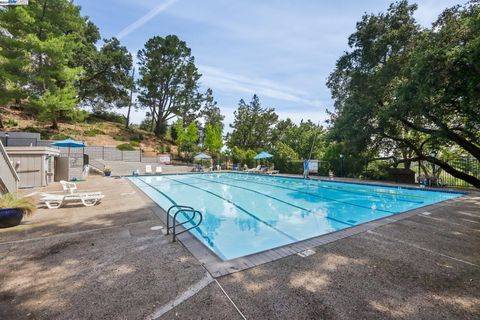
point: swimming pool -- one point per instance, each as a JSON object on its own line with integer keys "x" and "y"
{"x": 246, "y": 213}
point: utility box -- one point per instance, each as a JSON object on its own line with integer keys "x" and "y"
{"x": 400, "y": 175}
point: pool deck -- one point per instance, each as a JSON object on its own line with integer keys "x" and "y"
{"x": 106, "y": 262}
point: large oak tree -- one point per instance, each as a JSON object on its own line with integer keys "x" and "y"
{"x": 403, "y": 90}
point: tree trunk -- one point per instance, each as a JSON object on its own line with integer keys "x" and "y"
{"x": 127, "y": 119}
{"x": 456, "y": 173}
{"x": 1, "y": 122}
{"x": 55, "y": 124}
{"x": 131, "y": 98}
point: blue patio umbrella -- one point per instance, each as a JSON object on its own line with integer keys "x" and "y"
{"x": 202, "y": 156}
{"x": 263, "y": 155}
{"x": 68, "y": 143}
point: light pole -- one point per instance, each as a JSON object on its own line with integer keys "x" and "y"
{"x": 341, "y": 165}
{"x": 433, "y": 154}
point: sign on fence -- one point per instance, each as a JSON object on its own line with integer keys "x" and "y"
{"x": 164, "y": 158}
{"x": 313, "y": 166}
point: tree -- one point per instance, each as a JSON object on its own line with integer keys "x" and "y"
{"x": 106, "y": 82}
{"x": 306, "y": 139}
{"x": 168, "y": 79}
{"x": 403, "y": 90}
{"x": 44, "y": 36}
{"x": 252, "y": 127}
{"x": 211, "y": 112}
{"x": 213, "y": 139}
{"x": 187, "y": 138}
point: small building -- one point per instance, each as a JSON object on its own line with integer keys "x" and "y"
{"x": 37, "y": 166}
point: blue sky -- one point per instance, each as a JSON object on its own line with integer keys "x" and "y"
{"x": 281, "y": 50}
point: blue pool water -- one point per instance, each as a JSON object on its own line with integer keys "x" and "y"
{"x": 245, "y": 214}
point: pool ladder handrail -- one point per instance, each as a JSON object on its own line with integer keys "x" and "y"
{"x": 183, "y": 209}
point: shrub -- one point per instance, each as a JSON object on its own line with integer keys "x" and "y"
{"x": 92, "y": 132}
{"x": 60, "y": 136}
{"x": 168, "y": 149}
{"x": 125, "y": 147}
{"x": 135, "y": 143}
{"x": 119, "y": 138}
{"x": 11, "y": 200}
{"x": 136, "y": 137}
{"x": 97, "y": 116}
{"x": 10, "y": 123}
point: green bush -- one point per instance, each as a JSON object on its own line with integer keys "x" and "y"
{"x": 93, "y": 132}
{"x": 44, "y": 134}
{"x": 135, "y": 143}
{"x": 125, "y": 147}
{"x": 98, "y": 116}
{"x": 10, "y": 123}
{"x": 136, "y": 137}
{"x": 119, "y": 138}
{"x": 60, "y": 136}
{"x": 168, "y": 148}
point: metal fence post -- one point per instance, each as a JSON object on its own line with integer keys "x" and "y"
{"x": 103, "y": 152}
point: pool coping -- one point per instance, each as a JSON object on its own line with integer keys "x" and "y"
{"x": 218, "y": 268}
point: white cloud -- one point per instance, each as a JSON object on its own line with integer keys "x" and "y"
{"x": 220, "y": 80}
{"x": 145, "y": 18}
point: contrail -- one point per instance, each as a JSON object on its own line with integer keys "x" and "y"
{"x": 144, "y": 19}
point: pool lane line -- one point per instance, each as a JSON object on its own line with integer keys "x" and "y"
{"x": 357, "y": 191}
{"x": 240, "y": 208}
{"x": 277, "y": 199}
{"x": 315, "y": 195}
{"x": 209, "y": 241}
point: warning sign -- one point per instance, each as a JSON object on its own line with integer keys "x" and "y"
{"x": 313, "y": 166}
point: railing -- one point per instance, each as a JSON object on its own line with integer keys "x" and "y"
{"x": 184, "y": 210}
{"x": 8, "y": 176}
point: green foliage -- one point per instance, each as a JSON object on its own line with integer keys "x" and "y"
{"x": 404, "y": 90}
{"x": 60, "y": 136}
{"x": 102, "y": 115}
{"x": 10, "y": 123}
{"x": 106, "y": 81}
{"x": 211, "y": 112}
{"x": 92, "y": 132}
{"x": 282, "y": 157}
{"x": 138, "y": 137}
{"x": 187, "y": 138}
{"x": 135, "y": 143}
{"x": 253, "y": 125}
{"x": 125, "y": 147}
{"x": 38, "y": 53}
{"x": 168, "y": 80}
{"x": 243, "y": 156}
{"x": 213, "y": 138}
{"x": 11, "y": 200}
{"x": 301, "y": 138}
{"x": 119, "y": 138}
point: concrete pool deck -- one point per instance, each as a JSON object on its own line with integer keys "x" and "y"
{"x": 107, "y": 262}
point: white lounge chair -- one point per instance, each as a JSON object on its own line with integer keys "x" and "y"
{"x": 270, "y": 172}
{"x": 254, "y": 170}
{"x": 158, "y": 170}
{"x": 148, "y": 169}
{"x": 68, "y": 187}
{"x": 55, "y": 201}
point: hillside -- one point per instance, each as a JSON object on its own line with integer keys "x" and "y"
{"x": 95, "y": 131}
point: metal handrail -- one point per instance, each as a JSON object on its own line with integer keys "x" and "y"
{"x": 182, "y": 209}
{"x": 168, "y": 214}
{"x": 175, "y": 234}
